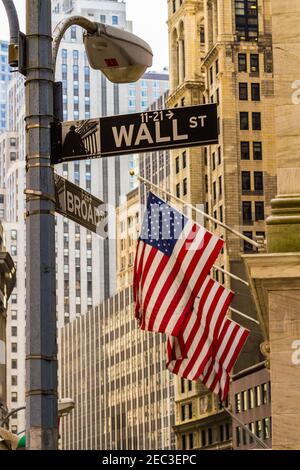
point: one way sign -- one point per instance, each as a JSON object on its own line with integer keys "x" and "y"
{"x": 135, "y": 133}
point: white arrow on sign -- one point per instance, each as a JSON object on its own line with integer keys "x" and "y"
{"x": 170, "y": 114}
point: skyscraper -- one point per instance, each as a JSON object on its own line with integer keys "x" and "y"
{"x": 124, "y": 395}
{"x": 4, "y": 80}
{"x": 221, "y": 52}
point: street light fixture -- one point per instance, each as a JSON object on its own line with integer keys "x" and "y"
{"x": 120, "y": 55}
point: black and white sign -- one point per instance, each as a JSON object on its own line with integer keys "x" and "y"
{"x": 135, "y": 133}
{"x": 79, "y": 205}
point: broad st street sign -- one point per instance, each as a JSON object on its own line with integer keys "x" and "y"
{"x": 135, "y": 133}
{"x": 79, "y": 205}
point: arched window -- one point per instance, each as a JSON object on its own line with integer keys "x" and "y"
{"x": 175, "y": 58}
{"x": 181, "y": 53}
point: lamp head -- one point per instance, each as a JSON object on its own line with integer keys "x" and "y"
{"x": 121, "y": 56}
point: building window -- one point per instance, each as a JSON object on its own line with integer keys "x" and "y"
{"x": 14, "y": 331}
{"x": 244, "y": 121}
{"x": 213, "y": 161}
{"x": 75, "y": 73}
{"x": 75, "y": 57}
{"x": 246, "y": 19}
{"x": 242, "y": 62}
{"x": 14, "y": 347}
{"x": 220, "y": 186}
{"x": 256, "y": 121}
{"x": 206, "y": 183}
{"x": 14, "y": 364}
{"x": 246, "y": 181}
{"x": 243, "y": 91}
{"x": 255, "y": 91}
{"x": 182, "y": 385}
{"x": 190, "y": 407}
{"x": 258, "y": 426}
{"x": 191, "y": 441}
{"x": 238, "y": 403}
{"x": 64, "y": 72}
{"x": 217, "y": 67}
{"x": 14, "y": 380}
{"x": 184, "y": 160}
{"x": 177, "y": 190}
{"x": 185, "y": 186}
{"x": 266, "y": 428}
{"x": 103, "y": 18}
{"x": 177, "y": 165}
{"x": 248, "y": 248}
{"x": 247, "y": 212}
{"x": 254, "y": 63}
{"x": 257, "y": 395}
{"x": 14, "y": 315}
{"x": 183, "y": 413}
{"x": 214, "y": 190}
{"x": 245, "y": 151}
{"x": 251, "y": 398}
{"x": 221, "y": 433}
{"x": 14, "y": 397}
{"x": 244, "y": 401}
{"x": 73, "y": 32}
{"x": 264, "y": 389}
{"x": 115, "y": 20}
{"x": 210, "y": 436}
{"x": 259, "y": 210}
{"x": 258, "y": 181}
{"x": 211, "y": 75}
{"x": 183, "y": 442}
{"x": 215, "y": 217}
{"x": 202, "y": 35}
{"x": 203, "y": 437}
{"x": 14, "y": 235}
{"x": 221, "y": 213}
{"x": 219, "y": 156}
{"x": 257, "y": 150}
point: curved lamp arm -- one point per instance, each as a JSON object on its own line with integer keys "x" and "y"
{"x": 10, "y": 414}
{"x": 14, "y": 29}
{"x": 13, "y": 20}
{"x": 62, "y": 27}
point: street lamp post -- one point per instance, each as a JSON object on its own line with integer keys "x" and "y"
{"x": 41, "y": 335}
{"x": 132, "y": 56}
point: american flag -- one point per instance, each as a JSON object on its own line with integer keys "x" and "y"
{"x": 189, "y": 352}
{"x": 223, "y": 354}
{"x": 173, "y": 258}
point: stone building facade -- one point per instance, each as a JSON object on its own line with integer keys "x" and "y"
{"x": 221, "y": 52}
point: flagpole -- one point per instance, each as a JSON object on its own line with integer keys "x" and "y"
{"x": 254, "y": 436}
{"x": 204, "y": 214}
{"x": 243, "y": 315}
{"x": 218, "y": 268}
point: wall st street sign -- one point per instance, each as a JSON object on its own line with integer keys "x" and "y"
{"x": 135, "y": 133}
{"x": 80, "y": 206}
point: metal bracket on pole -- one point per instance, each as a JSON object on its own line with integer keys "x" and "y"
{"x": 38, "y": 195}
{"x": 39, "y": 212}
{"x": 41, "y": 358}
{"x": 41, "y": 392}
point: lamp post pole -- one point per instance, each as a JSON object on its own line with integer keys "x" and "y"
{"x": 41, "y": 335}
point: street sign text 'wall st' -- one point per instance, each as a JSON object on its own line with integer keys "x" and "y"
{"x": 79, "y": 205}
{"x": 135, "y": 133}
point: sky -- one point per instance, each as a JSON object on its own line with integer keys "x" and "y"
{"x": 149, "y": 22}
